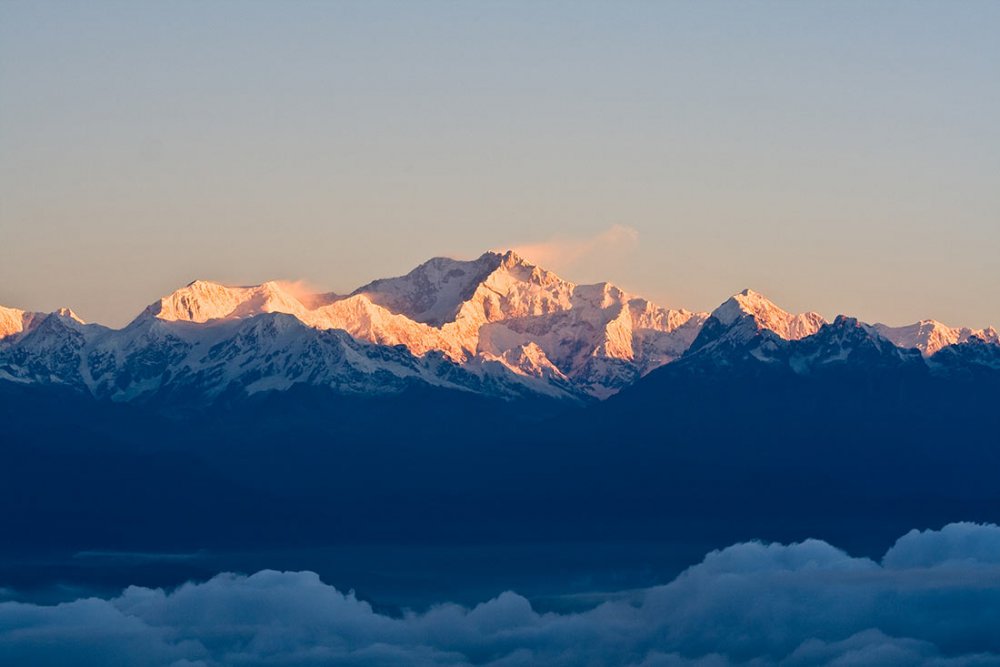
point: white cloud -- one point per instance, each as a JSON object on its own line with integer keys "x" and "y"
{"x": 562, "y": 253}
{"x": 933, "y": 600}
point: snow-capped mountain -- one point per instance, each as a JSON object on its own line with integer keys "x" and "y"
{"x": 496, "y": 308}
{"x": 929, "y": 336}
{"x": 750, "y": 308}
{"x": 496, "y": 325}
{"x": 846, "y": 342}
{"x": 48, "y": 350}
{"x": 155, "y": 359}
{"x": 750, "y": 334}
{"x": 973, "y": 358}
{"x": 749, "y": 319}
{"x": 202, "y": 301}
{"x": 844, "y": 348}
{"x": 15, "y": 322}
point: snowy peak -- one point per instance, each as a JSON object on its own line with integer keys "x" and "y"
{"x": 929, "y": 336}
{"x": 849, "y": 343}
{"x": 202, "y": 301}
{"x": 269, "y": 297}
{"x": 849, "y": 331}
{"x": 747, "y": 319}
{"x": 199, "y": 301}
{"x": 766, "y": 315}
{"x": 68, "y": 314}
{"x": 515, "y": 289}
{"x": 496, "y": 286}
{"x": 14, "y": 321}
{"x": 433, "y": 292}
{"x": 745, "y": 303}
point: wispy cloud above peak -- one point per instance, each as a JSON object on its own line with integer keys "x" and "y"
{"x": 561, "y": 253}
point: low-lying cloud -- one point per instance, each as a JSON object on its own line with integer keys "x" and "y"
{"x": 934, "y": 599}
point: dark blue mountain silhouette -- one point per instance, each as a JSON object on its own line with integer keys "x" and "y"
{"x": 839, "y": 435}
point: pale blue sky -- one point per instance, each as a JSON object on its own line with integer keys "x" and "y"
{"x": 838, "y": 156}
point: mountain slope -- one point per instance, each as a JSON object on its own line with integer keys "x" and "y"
{"x": 738, "y": 341}
{"x": 976, "y": 358}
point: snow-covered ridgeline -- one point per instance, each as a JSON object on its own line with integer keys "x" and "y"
{"x": 496, "y": 325}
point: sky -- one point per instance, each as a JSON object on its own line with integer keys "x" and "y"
{"x": 842, "y": 157}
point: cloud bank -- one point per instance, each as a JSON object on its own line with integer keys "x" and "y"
{"x": 933, "y": 600}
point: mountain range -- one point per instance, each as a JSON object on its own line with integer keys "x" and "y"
{"x": 486, "y": 400}
{"x": 497, "y": 326}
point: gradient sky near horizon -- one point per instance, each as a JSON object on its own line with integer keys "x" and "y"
{"x": 840, "y": 156}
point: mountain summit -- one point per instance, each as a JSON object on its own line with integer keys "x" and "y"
{"x": 750, "y": 306}
{"x": 202, "y": 300}
{"x": 748, "y": 316}
{"x": 434, "y": 292}
{"x": 929, "y": 336}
